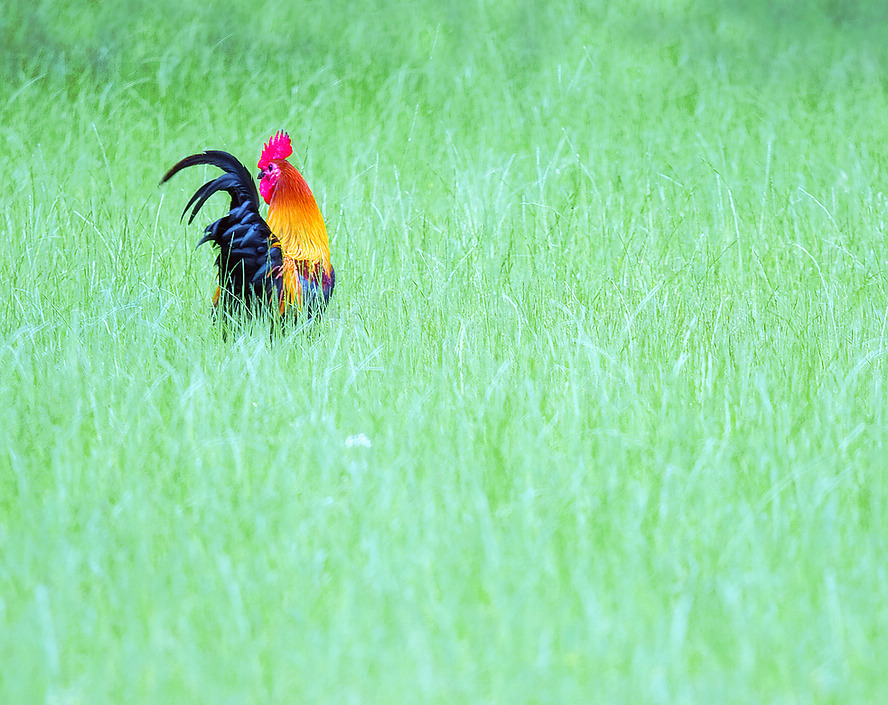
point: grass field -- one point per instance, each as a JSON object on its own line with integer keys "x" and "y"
{"x": 598, "y": 412}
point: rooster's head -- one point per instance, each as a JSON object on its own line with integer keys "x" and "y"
{"x": 276, "y": 150}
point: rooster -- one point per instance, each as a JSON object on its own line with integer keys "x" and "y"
{"x": 281, "y": 264}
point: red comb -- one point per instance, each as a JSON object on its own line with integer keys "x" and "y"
{"x": 278, "y": 147}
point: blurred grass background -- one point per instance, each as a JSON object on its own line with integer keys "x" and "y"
{"x": 598, "y": 413}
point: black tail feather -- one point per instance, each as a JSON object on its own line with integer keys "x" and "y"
{"x": 250, "y": 261}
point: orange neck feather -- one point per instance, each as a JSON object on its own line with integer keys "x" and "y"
{"x": 293, "y": 216}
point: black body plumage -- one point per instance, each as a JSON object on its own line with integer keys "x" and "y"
{"x": 250, "y": 262}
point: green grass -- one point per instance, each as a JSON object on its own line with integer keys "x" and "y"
{"x": 598, "y": 412}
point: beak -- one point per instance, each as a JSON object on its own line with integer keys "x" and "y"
{"x": 261, "y": 174}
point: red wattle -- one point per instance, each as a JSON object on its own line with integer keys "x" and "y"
{"x": 266, "y": 188}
